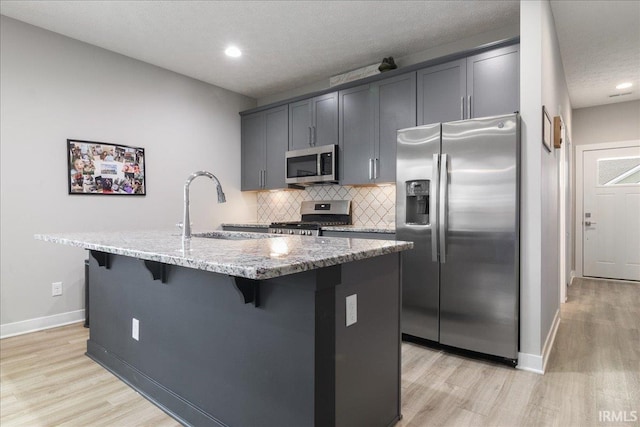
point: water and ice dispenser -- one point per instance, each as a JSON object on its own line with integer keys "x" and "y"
{"x": 417, "y": 203}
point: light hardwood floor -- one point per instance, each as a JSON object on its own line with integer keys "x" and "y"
{"x": 46, "y": 380}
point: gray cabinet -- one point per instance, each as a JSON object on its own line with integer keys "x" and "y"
{"x": 370, "y": 115}
{"x": 264, "y": 143}
{"x": 442, "y": 91}
{"x": 482, "y": 85}
{"x": 313, "y": 121}
{"x": 493, "y": 82}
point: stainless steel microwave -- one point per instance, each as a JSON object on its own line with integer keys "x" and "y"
{"x": 312, "y": 165}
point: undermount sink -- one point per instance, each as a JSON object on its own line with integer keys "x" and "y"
{"x": 233, "y": 235}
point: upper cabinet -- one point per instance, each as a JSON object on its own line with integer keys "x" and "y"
{"x": 313, "y": 121}
{"x": 264, "y": 143}
{"x": 482, "y": 85}
{"x": 442, "y": 92}
{"x": 493, "y": 82}
{"x": 364, "y": 119}
{"x": 370, "y": 116}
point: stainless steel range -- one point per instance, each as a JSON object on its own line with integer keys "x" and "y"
{"x": 315, "y": 215}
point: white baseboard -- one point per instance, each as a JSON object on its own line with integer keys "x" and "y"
{"x": 531, "y": 363}
{"x": 551, "y": 339}
{"x": 538, "y": 363}
{"x": 572, "y": 276}
{"x": 40, "y": 323}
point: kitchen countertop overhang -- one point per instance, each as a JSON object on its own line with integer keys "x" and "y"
{"x": 250, "y": 255}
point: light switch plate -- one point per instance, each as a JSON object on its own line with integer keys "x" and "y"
{"x": 56, "y": 289}
{"x": 352, "y": 309}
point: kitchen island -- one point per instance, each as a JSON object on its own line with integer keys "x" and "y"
{"x": 249, "y": 329}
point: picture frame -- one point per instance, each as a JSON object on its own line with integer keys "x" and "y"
{"x": 546, "y": 129}
{"x": 103, "y": 168}
{"x": 558, "y": 124}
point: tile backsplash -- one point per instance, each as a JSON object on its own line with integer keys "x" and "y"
{"x": 375, "y": 206}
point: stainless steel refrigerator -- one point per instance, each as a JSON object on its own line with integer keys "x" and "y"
{"x": 458, "y": 200}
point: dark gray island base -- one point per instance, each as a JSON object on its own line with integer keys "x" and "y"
{"x": 209, "y": 359}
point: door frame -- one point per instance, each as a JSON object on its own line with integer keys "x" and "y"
{"x": 578, "y": 220}
{"x": 564, "y": 211}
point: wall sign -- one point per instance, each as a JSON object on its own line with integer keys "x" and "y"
{"x": 558, "y": 124}
{"x": 103, "y": 168}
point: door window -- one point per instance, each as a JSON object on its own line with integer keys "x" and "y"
{"x": 619, "y": 171}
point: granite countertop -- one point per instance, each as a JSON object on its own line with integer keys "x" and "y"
{"x": 373, "y": 228}
{"x": 248, "y": 224}
{"x": 250, "y": 255}
{"x": 365, "y": 228}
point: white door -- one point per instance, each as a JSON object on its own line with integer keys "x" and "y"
{"x": 611, "y": 213}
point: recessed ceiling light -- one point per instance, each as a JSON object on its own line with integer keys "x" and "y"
{"x": 233, "y": 52}
{"x": 624, "y": 85}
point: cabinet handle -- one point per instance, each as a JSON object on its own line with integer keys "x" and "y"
{"x": 375, "y": 168}
{"x": 310, "y": 143}
{"x": 264, "y": 178}
{"x": 462, "y": 108}
{"x": 370, "y": 169}
{"x": 315, "y": 136}
{"x": 470, "y": 113}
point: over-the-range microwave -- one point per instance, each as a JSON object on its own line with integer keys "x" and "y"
{"x": 312, "y": 165}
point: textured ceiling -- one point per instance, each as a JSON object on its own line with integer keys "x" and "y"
{"x": 600, "y": 48}
{"x": 288, "y": 44}
{"x": 285, "y": 44}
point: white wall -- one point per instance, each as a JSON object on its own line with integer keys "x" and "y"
{"x": 541, "y": 83}
{"x": 530, "y": 209}
{"x": 555, "y": 97}
{"x": 503, "y": 33}
{"x": 607, "y": 123}
{"x": 54, "y": 88}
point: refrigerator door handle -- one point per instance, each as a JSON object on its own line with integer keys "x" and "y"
{"x": 433, "y": 203}
{"x": 462, "y": 108}
{"x": 442, "y": 211}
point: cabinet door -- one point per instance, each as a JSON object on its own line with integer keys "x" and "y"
{"x": 252, "y": 151}
{"x": 277, "y": 140}
{"x": 325, "y": 119}
{"x": 300, "y": 124}
{"x": 442, "y": 93}
{"x": 493, "y": 82}
{"x": 394, "y": 108}
{"x": 356, "y": 136}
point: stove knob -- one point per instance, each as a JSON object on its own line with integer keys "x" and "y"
{"x": 308, "y": 232}
{"x": 291, "y": 231}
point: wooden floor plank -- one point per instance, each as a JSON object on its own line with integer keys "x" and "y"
{"x": 46, "y": 380}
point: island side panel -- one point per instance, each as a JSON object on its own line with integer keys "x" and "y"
{"x": 368, "y": 352}
{"x": 238, "y": 364}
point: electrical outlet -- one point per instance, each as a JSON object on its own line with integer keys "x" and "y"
{"x": 135, "y": 329}
{"x": 56, "y": 289}
{"x": 352, "y": 309}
